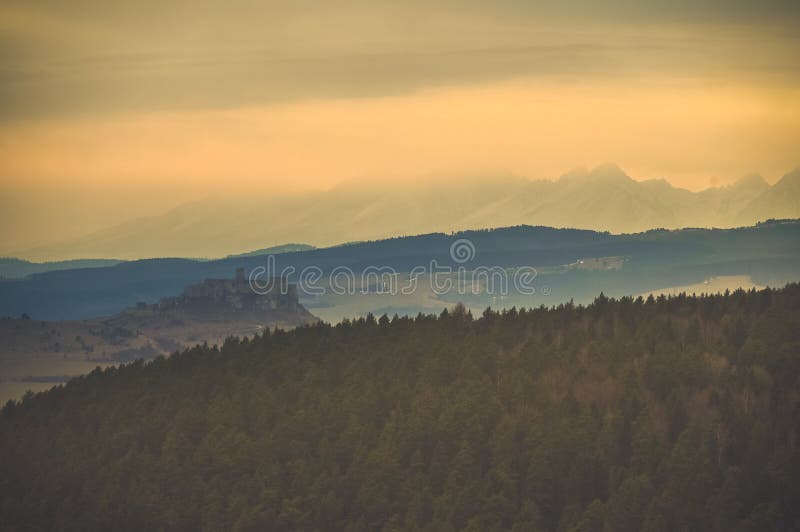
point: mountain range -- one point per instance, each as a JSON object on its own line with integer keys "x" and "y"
{"x": 602, "y": 199}
{"x": 16, "y": 268}
{"x": 654, "y": 259}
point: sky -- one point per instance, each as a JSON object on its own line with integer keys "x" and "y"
{"x": 116, "y": 110}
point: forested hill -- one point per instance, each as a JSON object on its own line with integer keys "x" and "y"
{"x": 671, "y": 414}
{"x": 656, "y": 259}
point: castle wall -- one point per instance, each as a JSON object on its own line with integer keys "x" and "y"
{"x": 236, "y": 294}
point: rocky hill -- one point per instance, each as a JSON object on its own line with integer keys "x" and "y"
{"x": 38, "y": 353}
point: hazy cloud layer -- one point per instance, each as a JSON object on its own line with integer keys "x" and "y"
{"x": 115, "y": 110}
{"x": 63, "y": 57}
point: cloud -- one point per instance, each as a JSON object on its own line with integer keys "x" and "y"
{"x": 115, "y": 109}
{"x": 91, "y": 57}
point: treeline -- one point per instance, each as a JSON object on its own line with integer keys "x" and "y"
{"x": 678, "y": 413}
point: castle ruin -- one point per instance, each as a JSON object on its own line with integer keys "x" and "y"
{"x": 234, "y": 294}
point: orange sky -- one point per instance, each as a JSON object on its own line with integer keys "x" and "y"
{"x": 109, "y": 114}
{"x": 686, "y": 131}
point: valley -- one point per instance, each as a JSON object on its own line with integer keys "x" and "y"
{"x": 36, "y": 354}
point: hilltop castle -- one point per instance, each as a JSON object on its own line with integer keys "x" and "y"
{"x": 233, "y": 294}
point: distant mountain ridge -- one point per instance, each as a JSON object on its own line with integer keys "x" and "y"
{"x": 11, "y": 268}
{"x": 602, "y": 199}
{"x": 274, "y": 250}
{"x": 654, "y": 259}
{"x": 779, "y": 201}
